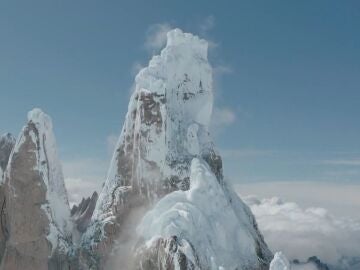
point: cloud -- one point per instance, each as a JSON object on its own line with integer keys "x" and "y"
{"x": 339, "y": 198}
{"x": 221, "y": 118}
{"x": 220, "y": 70}
{"x": 207, "y": 24}
{"x": 156, "y": 36}
{"x": 83, "y": 177}
{"x": 304, "y": 232}
{"x": 79, "y": 188}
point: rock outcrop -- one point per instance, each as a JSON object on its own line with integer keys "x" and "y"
{"x": 82, "y": 213}
{"x": 37, "y": 210}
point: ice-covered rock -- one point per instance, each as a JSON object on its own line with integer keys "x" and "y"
{"x": 166, "y": 127}
{"x": 37, "y": 210}
{"x": 211, "y": 228}
{"x": 166, "y": 124}
{"x": 280, "y": 262}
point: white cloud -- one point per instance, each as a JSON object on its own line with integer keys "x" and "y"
{"x": 156, "y": 36}
{"x": 221, "y": 118}
{"x": 220, "y": 70}
{"x": 83, "y": 177}
{"x": 304, "y": 232}
{"x": 79, "y": 188}
{"x": 341, "y": 199}
{"x": 207, "y": 24}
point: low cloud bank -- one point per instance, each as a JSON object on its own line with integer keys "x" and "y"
{"x": 304, "y": 232}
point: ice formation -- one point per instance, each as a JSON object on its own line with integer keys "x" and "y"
{"x": 216, "y": 223}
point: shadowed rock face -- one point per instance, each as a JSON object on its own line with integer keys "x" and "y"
{"x": 82, "y": 213}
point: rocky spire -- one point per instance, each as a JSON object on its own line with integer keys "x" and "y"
{"x": 166, "y": 128}
{"x": 166, "y": 125}
{"x": 37, "y": 208}
{"x": 7, "y": 143}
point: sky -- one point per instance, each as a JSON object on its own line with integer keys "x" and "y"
{"x": 287, "y": 80}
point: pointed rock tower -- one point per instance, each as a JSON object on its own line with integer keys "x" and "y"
{"x": 166, "y": 128}
{"x": 7, "y": 143}
{"x": 38, "y": 228}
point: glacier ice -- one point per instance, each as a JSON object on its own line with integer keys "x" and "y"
{"x": 205, "y": 216}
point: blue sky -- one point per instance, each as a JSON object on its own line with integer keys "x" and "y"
{"x": 287, "y": 79}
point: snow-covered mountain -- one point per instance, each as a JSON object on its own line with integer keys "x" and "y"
{"x": 165, "y": 149}
{"x": 37, "y": 217}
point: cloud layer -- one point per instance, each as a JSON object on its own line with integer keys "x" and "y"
{"x": 83, "y": 177}
{"x": 302, "y": 233}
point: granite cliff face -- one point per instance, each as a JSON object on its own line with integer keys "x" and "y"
{"x": 38, "y": 227}
{"x": 7, "y": 143}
